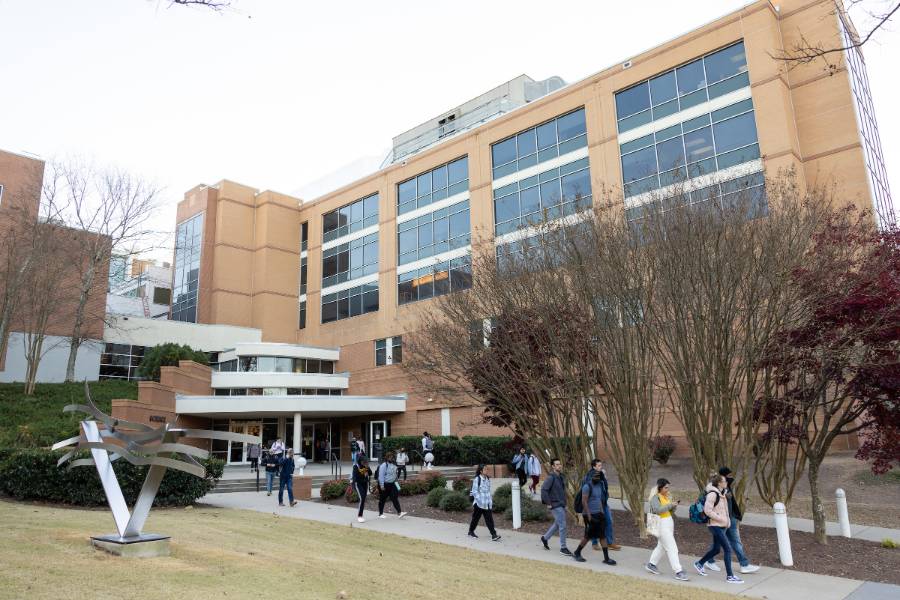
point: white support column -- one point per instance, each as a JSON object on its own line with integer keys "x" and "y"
{"x": 298, "y": 441}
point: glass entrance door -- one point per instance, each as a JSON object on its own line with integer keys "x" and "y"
{"x": 306, "y": 448}
{"x": 237, "y": 451}
{"x": 377, "y": 431}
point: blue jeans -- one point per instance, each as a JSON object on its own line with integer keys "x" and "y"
{"x": 270, "y": 480}
{"x": 559, "y": 524}
{"x": 719, "y": 540}
{"x": 610, "y": 538}
{"x": 734, "y": 539}
{"x": 285, "y": 482}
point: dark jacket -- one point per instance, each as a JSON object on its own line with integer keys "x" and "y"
{"x": 286, "y": 467}
{"x": 553, "y": 492}
{"x": 361, "y": 476}
{"x": 733, "y": 508}
{"x": 271, "y": 462}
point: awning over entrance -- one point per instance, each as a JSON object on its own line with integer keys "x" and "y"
{"x": 313, "y": 406}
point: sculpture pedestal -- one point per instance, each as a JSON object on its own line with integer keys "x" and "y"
{"x": 146, "y": 545}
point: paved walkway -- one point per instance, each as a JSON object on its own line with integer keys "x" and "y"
{"x": 768, "y": 583}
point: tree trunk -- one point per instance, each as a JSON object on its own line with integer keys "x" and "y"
{"x": 818, "y": 509}
{"x": 75, "y": 339}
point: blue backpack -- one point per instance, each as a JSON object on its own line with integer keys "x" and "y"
{"x": 695, "y": 512}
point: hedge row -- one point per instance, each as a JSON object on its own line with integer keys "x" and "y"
{"x": 422, "y": 484}
{"x": 33, "y": 475}
{"x": 451, "y": 450}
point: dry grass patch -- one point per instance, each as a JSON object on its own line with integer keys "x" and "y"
{"x": 241, "y": 554}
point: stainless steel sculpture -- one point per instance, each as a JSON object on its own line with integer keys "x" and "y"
{"x": 139, "y": 444}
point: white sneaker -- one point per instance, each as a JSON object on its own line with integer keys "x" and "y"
{"x": 712, "y": 567}
{"x": 749, "y": 569}
{"x": 734, "y": 579}
{"x": 360, "y": 519}
{"x": 382, "y": 517}
{"x": 401, "y": 515}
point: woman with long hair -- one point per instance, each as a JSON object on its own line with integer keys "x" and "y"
{"x": 662, "y": 505}
{"x": 361, "y": 478}
{"x": 482, "y": 503}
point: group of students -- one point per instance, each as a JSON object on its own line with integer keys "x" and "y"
{"x": 280, "y": 460}
{"x": 387, "y": 477}
{"x": 717, "y": 508}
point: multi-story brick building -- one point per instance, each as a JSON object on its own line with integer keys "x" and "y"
{"x": 340, "y": 279}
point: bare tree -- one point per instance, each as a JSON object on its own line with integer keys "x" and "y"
{"x": 722, "y": 290}
{"x": 113, "y": 208}
{"x": 877, "y": 14}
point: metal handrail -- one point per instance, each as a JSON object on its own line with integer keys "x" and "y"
{"x": 336, "y": 467}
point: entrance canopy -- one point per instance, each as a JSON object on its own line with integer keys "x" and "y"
{"x": 311, "y": 406}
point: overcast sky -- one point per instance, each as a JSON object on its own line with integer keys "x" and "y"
{"x": 280, "y": 93}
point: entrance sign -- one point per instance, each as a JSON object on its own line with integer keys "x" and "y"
{"x": 158, "y": 447}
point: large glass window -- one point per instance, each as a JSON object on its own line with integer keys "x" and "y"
{"x": 303, "y": 281}
{"x": 552, "y": 194}
{"x": 685, "y": 86}
{"x": 348, "y": 303}
{"x": 433, "y": 186}
{"x": 546, "y": 141}
{"x": 121, "y": 361}
{"x": 304, "y": 236}
{"x": 353, "y": 217}
{"x": 698, "y": 146}
{"x": 354, "y": 259}
{"x": 186, "y": 282}
{"x": 389, "y": 351}
{"x": 746, "y": 192}
{"x": 436, "y": 280}
{"x": 434, "y": 232}
{"x": 302, "y": 323}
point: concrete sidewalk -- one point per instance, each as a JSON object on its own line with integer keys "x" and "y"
{"x": 767, "y": 583}
{"x": 860, "y": 532}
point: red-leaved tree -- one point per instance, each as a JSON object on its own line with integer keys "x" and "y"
{"x": 837, "y": 370}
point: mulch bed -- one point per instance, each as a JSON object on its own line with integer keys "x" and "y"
{"x": 851, "y": 558}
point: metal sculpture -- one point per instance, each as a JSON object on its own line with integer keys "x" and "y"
{"x": 139, "y": 444}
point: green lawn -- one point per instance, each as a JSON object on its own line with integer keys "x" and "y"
{"x": 222, "y": 553}
{"x": 35, "y": 421}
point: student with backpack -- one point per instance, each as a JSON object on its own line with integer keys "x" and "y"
{"x": 427, "y": 448}
{"x": 534, "y": 471}
{"x": 662, "y": 505}
{"x": 733, "y": 533}
{"x": 715, "y": 507}
{"x": 590, "y": 503}
{"x": 361, "y": 478}
{"x": 608, "y": 522}
{"x": 553, "y": 494}
{"x": 388, "y": 486}
{"x": 482, "y": 503}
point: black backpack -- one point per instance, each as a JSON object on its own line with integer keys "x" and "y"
{"x": 578, "y": 505}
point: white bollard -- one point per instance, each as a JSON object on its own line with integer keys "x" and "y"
{"x": 516, "y": 505}
{"x": 301, "y": 464}
{"x": 784, "y": 535}
{"x": 843, "y": 516}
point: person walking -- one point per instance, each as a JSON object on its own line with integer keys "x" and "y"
{"x": 286, "y": 477}
{"x": 553, "y": 494}
{"x": 662, "y": 505}
{"x": 388, "y": 486}
{"x": 607, "y": 518}
{"x": 733, "y": 533}
{"x": 520, "y": 466}
{"x": 715, "y": 507}
{"x": 594, "y": 496}
{"x": 253, "y": 455}
{"x": 270, "y": 460}
{"x": 277, "y": 447}
{"x": 402, "y": 459}
{"x": 534, "y": 471}
{"x": 427, "y": 448}
{"x": 354, "y": 448}
{"x": 482, "y": 503}
{"x": 361, "y": 480}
